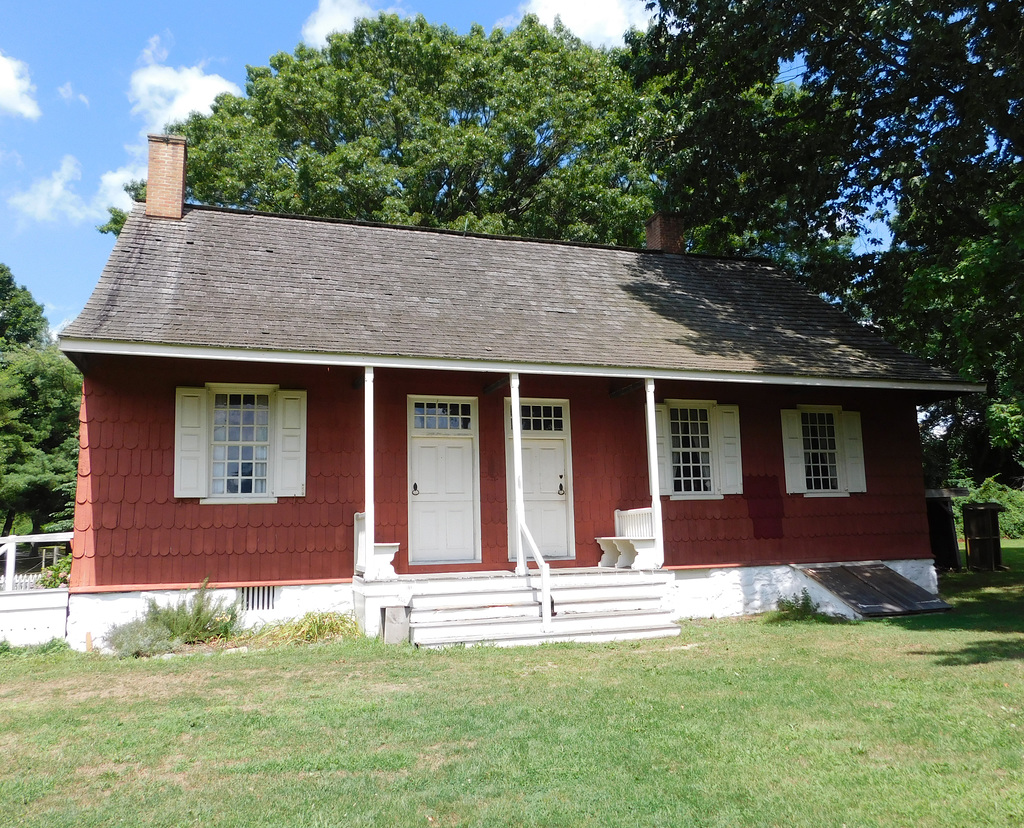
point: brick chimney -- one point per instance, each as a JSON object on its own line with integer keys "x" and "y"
{"x": 165, "y": 187}
{"x": 665, "y": 232}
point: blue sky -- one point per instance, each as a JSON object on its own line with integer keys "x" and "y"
{"x": 82, "y": 83}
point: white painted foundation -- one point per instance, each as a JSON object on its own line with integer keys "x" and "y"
{"x": 95, "y": 613}
{"x": 33, "y": 616}
{"x": 36, "y": 616}
{"x": 747, "y": 590}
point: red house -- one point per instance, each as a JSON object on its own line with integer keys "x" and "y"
{"x": 315, "y": 414}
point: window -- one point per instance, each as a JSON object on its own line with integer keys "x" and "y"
{"x": 542, "y": 418}
{"x": 442, "y": 415}
{"x": 698, "y": 449}
{"x": 239, "y": 444}
{"x": 824, "y": 451}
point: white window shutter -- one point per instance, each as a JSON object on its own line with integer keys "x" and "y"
{"x": 730, "y": 465}
{"x": 664, "y": 455}
{"x": 290, "y": 452}
{"x": 853, "y": 446}
{"x": 793, "y": 450}
{"x": 191, "y": 443}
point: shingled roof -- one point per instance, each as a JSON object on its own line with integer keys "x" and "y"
{"x": 245, "y": 281}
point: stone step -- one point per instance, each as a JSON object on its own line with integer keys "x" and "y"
{"x": 419, "y": 616}
{"x": 610, "y": 604}
{"x": 602, "y": 577}
{"x": 532, "y": 639}
{"x": 583, "y": 623}
{"x": 453, "y": 613}
{"x": 466, "y": 600}
{"x": 609, "y": 591}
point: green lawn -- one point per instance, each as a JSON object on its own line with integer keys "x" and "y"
{"x": 739, "y": 722}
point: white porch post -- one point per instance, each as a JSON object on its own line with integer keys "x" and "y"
{"x": 517, "y": 472}
{"x": 368, "y": 463}
{"x": 10, "y": 552}
{"x": 652, "y": 465}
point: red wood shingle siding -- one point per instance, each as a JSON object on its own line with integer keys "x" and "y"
{"x": 131, "y": 531}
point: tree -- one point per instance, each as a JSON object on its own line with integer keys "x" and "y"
{"x": 21, "y": 318}
{"x": 113, "y": 225}
{"x": 917, "y": 108}
{"x": 39, "y": 397}
{"x": 399, "y": 121}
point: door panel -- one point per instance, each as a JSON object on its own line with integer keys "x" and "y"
{"x": 442, "y": 510}
{"x": 546, "y": 490}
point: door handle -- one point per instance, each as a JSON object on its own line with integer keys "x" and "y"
{"x": 561, "y": 489}
{"x": 415, "y": 490}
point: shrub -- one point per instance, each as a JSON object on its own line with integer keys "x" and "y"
{"x": 56, "y": 575}
{"x": 162, "y": 629}
{"x": 140, "y": 638}
{"x": 1011, "y": 522}
{"x": 54, "y": 645}
{"x": 802, "y": 608}
{"x": 197, "y": 619}
{"x": 310, "y": 628}
{"x": 798, "y": 608}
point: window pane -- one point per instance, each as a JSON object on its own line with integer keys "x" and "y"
{"x": 821, "y": 450}
{"x": 690, "y": 444}
{"x": 239, "y": 443}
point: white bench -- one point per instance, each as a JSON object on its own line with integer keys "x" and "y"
{"x": 378, "y": 566}
{"x": 633, "y": 546}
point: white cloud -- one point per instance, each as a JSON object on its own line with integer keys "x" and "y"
{"x": 162, "y": 94}
{"x": 159, "y": 94}
{"x": 67, "y": 92}
{"x": 16, "y": 89}
{"x": 51, "y": 198}
{"x": 599, "y": 22}
{"x": 333, "y": 16}
{"x": 54, "y": 197}
{"x": 156, "y": 51}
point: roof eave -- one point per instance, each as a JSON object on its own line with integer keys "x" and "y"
{"x": 74, "y": 346}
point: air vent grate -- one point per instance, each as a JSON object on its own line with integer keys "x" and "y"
{"x": 255, "y": 598}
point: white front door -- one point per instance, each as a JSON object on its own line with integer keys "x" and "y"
{"x": 444, "y": 498}
{"x": 547, "y": 477}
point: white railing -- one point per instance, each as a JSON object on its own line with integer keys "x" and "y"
{"x": 545, "y": 576}
{"x": 9, "y": 549}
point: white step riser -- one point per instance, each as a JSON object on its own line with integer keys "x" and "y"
{"x": 419, "y": 616}
{"x": 526, "y": 640}
{"x": 560, "y": 596}
{"x": 610, "y": 606}
{"x": 560, "y": 624}
{"x": 472, "y": 599}
{"x": 621, "y": 577}
{"x": 598, "y": 593}
{"x": 471, "y": 586}
{"x": 459, "y": 614}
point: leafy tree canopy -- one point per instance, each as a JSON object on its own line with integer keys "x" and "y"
{"x": 39, "y": 397}
{"x": 113, "y": 225}
{"x": 21, "y": 317}
{"x": 903, "y": 112}
{"x": 521, "y": 132}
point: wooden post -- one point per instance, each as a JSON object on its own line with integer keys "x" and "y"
{"x": 517, "y": 473}
{"x": 652, "y": 465}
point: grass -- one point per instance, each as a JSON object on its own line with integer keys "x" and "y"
{"x": 739, "y": 722}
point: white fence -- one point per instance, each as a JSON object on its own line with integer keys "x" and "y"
{"x": 10, "y": 580}
{"x": 28, "y": 613}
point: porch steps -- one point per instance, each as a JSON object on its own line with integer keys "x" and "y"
{"x": 589, "y": 605}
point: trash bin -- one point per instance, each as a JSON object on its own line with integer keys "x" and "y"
{"x": 981, "y": 530}
{"x": 941, "y": 527}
